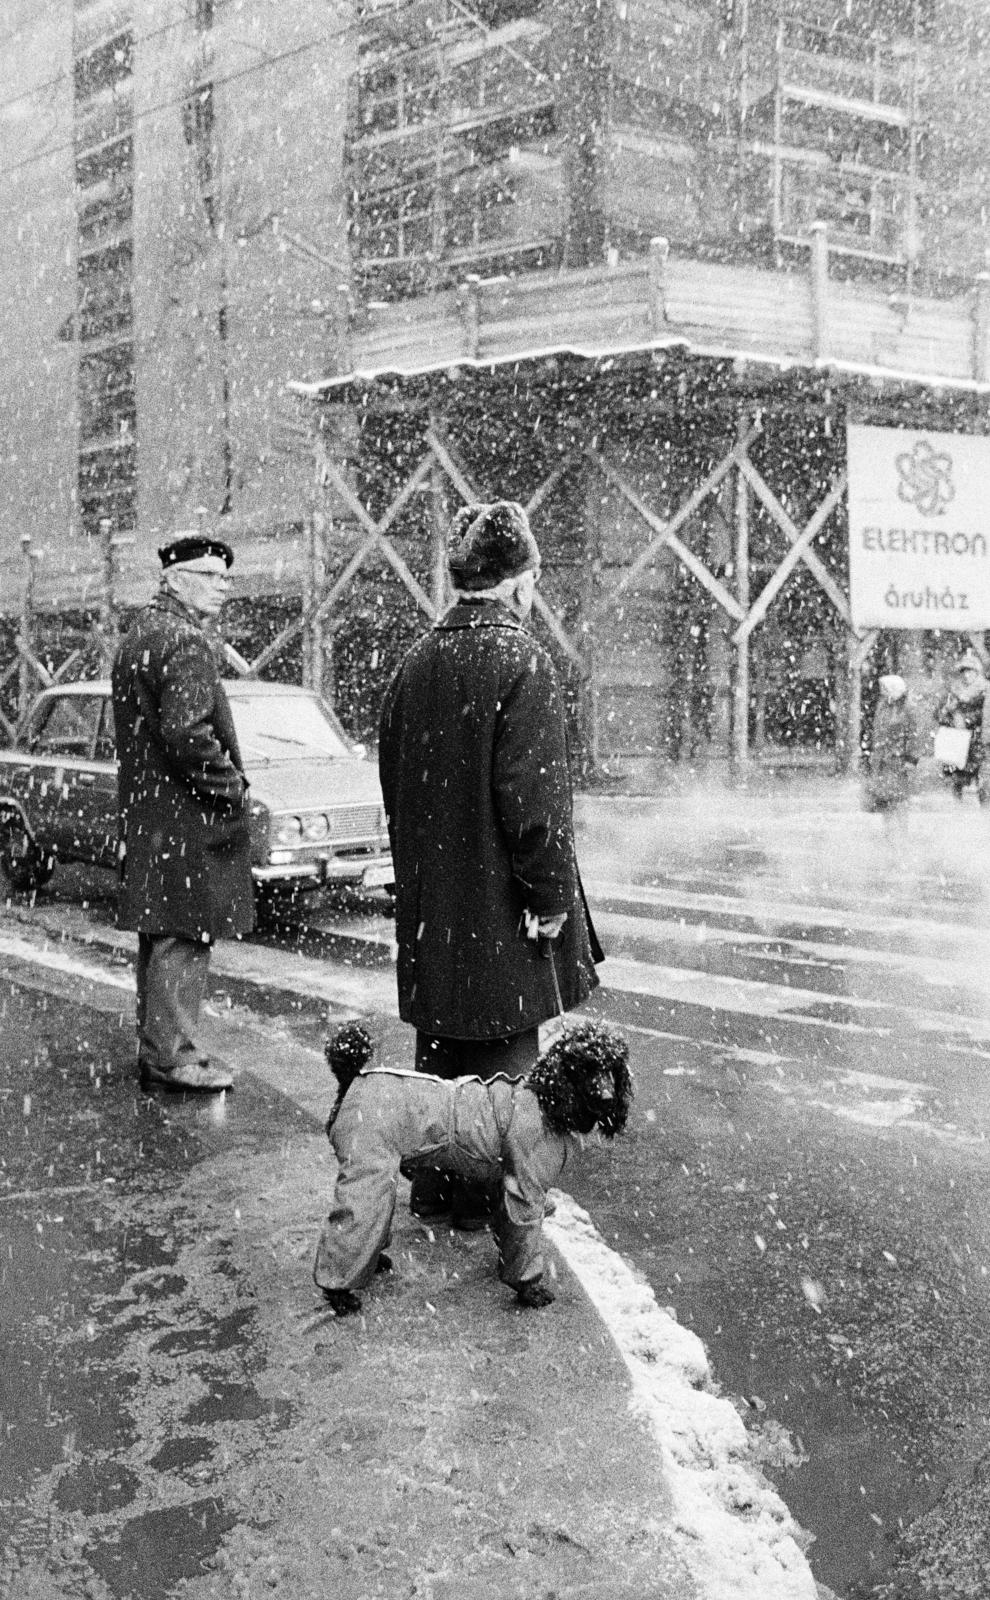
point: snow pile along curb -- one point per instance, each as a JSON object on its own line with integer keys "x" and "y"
{"x": 738, "y": 1537}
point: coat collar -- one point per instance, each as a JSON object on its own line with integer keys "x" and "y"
{"x": 479, "y": 614}
{"x": 166, "y": 601}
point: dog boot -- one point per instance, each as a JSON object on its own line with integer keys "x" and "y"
{"x": 534, "y": 1295}
{"x": 342, "y": 1302}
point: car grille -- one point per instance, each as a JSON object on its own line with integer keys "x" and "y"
{"x": 356, "y": 822}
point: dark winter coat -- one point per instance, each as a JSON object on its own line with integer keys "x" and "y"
{"x": 185, "y": 866}
{"x": 490, "y": 1133}
{"x": 894, "y": 751}
{"x": 474, "y": 773}
{"x": 963, "y": 707}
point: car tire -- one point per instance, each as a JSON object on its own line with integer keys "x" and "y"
{"x": 274, "y": 906}
{"x": 267, "y": 910}
{"x": 24, "y": 866}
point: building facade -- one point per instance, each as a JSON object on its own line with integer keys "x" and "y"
{"x": 311, "y": 273}
{"x": 174, "y": 218}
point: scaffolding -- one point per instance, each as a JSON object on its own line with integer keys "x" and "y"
{"x": 753, "y": 123}
{"x": 454, "y": 155}
{"x": 832, "y": 134}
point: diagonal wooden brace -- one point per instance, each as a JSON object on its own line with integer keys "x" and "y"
{"x": 787, "y": 526}
{"x": 666, "y": 535}
{"x": 795, "y": 554}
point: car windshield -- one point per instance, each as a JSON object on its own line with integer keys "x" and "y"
{"x": 285, "y": 728}
{"x": 67, "y": 725}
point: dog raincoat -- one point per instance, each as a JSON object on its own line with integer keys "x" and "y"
{"x": 491, "y": 1132}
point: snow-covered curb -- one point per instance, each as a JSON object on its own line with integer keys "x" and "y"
{"x": 737, "y": 1536}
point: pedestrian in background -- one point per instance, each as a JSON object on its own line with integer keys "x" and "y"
{"x": 893, "y": 749}
{"x": 185, "y": 866}
{"x": 475, "y": 778}
{"x": 963, "y": 707}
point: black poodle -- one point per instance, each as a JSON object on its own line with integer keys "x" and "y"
{"x": 514, "y": 1133}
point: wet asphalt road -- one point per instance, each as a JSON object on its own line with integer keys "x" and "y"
{"x": 838, "y": 1276}
{"x": 804, "y": 1184}
{"x": 91, "y": 1247}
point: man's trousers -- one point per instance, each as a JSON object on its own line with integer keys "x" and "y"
{"x": 434, "y": 1193}
{"x": 171, "y": 975}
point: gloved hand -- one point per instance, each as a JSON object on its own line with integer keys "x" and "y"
{"x": 543, "y": 927}
{"x": 534, "y": 1295}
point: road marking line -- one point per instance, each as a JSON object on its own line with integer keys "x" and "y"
{"x": 789, "y": 951}
{"x": 66, "y": 1192}
{"x": 775, "y": 912}
{"x": 60, "y": 961}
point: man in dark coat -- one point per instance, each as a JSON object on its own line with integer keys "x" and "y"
{"x": 185, "y": 865}
{"x": 490, "y": 916}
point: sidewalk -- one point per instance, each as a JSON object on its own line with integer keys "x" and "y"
{"x": 445, "y": 1445}
{"x": 448, "y": 1445}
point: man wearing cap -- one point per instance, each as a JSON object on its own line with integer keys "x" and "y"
{"x": 490, "y": 918}
{"x": 185, "y": 867}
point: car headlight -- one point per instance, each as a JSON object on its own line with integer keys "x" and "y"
{"x": 286, "y": 830}
{"x": 315, "y": 826}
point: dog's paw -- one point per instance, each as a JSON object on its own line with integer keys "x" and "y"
{"x": 534, "y": 1295}
{"x": 342, "y": 1302}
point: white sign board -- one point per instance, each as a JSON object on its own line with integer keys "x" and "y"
{"x": 919, "y": 529}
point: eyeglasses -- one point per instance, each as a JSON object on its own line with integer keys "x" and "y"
{"x": 208, "y": 572}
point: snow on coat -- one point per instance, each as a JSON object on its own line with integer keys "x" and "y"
{"x": 484, "y": 1131}
{"x": 474, "y": 774}
{"x": 185, "y": 865}
{"x": 894, "y": 749}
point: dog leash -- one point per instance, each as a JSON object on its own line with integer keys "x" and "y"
{"x": 546, "y": 948}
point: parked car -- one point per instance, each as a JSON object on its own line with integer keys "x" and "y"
{"x": 315, "y": 807}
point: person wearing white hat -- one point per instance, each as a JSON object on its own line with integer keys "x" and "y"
{"x": 893, "y": 748}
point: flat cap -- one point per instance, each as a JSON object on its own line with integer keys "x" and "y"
{"x": 193, "y": 547}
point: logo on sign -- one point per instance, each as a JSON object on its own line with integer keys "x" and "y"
{"x": 925, "y": 478}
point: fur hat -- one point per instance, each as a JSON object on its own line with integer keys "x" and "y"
{"x": 488, "y": 543}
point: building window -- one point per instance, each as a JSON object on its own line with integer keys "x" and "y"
{"x": 199, "y": 127}
{"x": 107, "y": 400}
{"x": 111, "y": 165}
{"x": 107, "y": 481}
{"x": 106, "y": 292}
{"x": 104, "y": 67}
